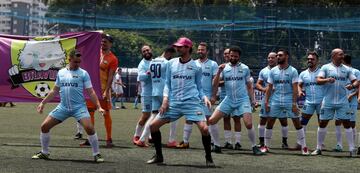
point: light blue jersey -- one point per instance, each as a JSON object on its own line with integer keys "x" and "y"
{"x": 263, "y": 76}
{"x": 183, "y": 87}
{"x": 353, "y": 102}
{"x": 158, "y": 77}
{"x": 144, "y": 78}
{"x": 282, "y": 80}
{"x": 183, "y": 81}
{"x": 72, "y": 84}
{"x": 313, "y": 91}
{"x": 209, "y": 70}
{"x": 235, "y": 78}
{"x": 222, "y": 92}
{"x": 335, "y": 94}
{"x": 236, "y": 101}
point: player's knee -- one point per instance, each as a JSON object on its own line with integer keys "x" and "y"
{"x": 269, "y": 126}
{"x": 44, "y": 128}
{"x": 304, "y": 121}
{"x": 322, "y": 124}
{"x": 204, "y": 130}
{"x": 142, "y": 121}
{"x": 154, "y": 127}
{"x": 90, "y": 131}
{"x": 249, "y": 126}
{"x": 337, "y": 122}
{"x": 352, "y": 124}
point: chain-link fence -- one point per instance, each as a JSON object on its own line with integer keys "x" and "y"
{"x": 257, "y": 30}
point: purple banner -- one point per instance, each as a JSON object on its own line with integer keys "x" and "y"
{"x": 29, "y": 65}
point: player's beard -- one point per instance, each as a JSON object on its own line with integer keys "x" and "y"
{"x": 233, "y": 61}
{"x": 310, "y": 65}
{"x": 201, "y": 56}
{"x": 281, "y": 61}
{"x": 147, "y": 56}
{"x": 178, "y": 54}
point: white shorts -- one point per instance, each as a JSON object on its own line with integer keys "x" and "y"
{"x": 118, "y": 90}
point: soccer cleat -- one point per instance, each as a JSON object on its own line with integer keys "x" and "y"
{"x": 257, "y": 151}
{"x": 323, "y": 147}
{"x": 109, "y": 143}
{"x": 183, "y": 145}
{"x": 353, "y": 153}
{"x": 209, "y": 162}
{"x": 305, "y": 151}
{"x": 155, "y": 160}
{"x": 171, "y": 144}
{"x": 316, "y": 152}
{"x": 227, "y": 145}
{"x": 338, "y": 148}
{"x": 41, "y": 155}
{"x": 85, "y": 143}
{"x": 140, "y": 143}
{"x": 123, "y": 107}
{"x": 264, "y": 149}
{"x": 260, "y": 145}
{"x": 284, "y": 145}
{"x": 216, "y": 149}
{"x": 358, "y": 151}
{"x": 297, "y": 147}
{"x": 78, "y": 136}
{"x": 135, "y": 138}
{"x": 98, "y": 158}
{"x": 237, "y": 146}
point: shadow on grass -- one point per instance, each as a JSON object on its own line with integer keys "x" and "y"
{"x": 62, "y": 146}
{"x": 187, "y": 166}
{"x": 77, "y": 161}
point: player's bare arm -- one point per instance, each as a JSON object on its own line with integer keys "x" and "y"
{"x": 259, "y": 86}
{"x": 300, "y": 89}
{"x": 250, "y": 90}
{"x": 268, "y": 93}
{"x": 322, "y": 80}
{"x": 95, "y": 99}
{"x": 164, "y": 106}
{"x": 295, "y": 109}
{"x": 354, "y": 84}
{"x": 48, "y": 98}
{"x": 108, "y": 83}
{"x": 217, "y": 79}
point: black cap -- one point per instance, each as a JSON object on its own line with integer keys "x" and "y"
{"x": 108, "y": 37}
{"x": 75, "y": 53}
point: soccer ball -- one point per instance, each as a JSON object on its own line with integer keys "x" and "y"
{"x": 42, "y": 89}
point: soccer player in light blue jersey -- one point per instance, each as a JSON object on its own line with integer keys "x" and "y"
{"x": 308, "y": 88}
{"x": 70, "y": 84}
{"x": 144, "y": 77}
{"x": 182, "y": 97}
{"x": 227, "y": 118}
{"x": 261, "y": 85}
{"x": 283, "y": 91}
{"x": 334, "y": 76}
{"x": 158, "y": 71}
{"x": 209, "y": 68}
{"x": 239, "y": 97}
{"x": 352, "y": 97}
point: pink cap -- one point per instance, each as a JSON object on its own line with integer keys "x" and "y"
{"x": 183, "y": 41}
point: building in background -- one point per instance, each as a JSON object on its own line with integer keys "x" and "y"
{"x": 22, "y": 17}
